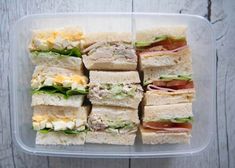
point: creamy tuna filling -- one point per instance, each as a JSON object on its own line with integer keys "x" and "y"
{"x": 111, "y": 51}
{"x": 114, "y": 91}
{"x": 96, "y": 123}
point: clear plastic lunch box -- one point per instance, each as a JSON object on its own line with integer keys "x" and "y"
{"x": 200, "y": 39}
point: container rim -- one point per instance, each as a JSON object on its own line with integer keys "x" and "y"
{"x": 19, "y": 143}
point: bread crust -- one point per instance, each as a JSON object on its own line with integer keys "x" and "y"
{"x": 107, "y": 65}
{"x": 115, "y": 113}
{"x": 158, "y": 97}
{"x": 56, "y": 100}
{"x": 130, "y": 102}
{"x": 110, "y": 138}
{"x": 80, "y": 113}
{"x": 149, "y": 34}
{"x": 59, "y": 138}
{"x": 155, "y": 113}
{"x": 114, "y": 77}
{"x": 153, "y": 137}
{"x": 151, "y": 74}
{"x": 162, "y": 59}
{"x": 52, "y": 59}
{"x": 92, "y": 38}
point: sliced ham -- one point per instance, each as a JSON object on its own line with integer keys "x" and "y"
{"x": 153, "y": 87}
{"x": 168, "y": 126}
{"x": 155, "y": 51}
{"x": 173, "y": 84}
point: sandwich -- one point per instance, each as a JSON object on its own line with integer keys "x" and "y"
{"x": 58, "y": 87}
{"x": 60, "y": 125}
{"x": 169, "y": 89}
{"x": 167, "y": 124}
{"x": 155, "y": 97}
{"x": 115, "y": 88}
{"x": 112, "y": 125}
{"x": 109, "y": 51}
{"x": 59, "y": 47}
{"x": 162, "y": 46}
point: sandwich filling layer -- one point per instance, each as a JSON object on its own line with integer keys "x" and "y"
{"x": 171, "y": 83}
{"x": 115, "y": 91}
{"x": 110, "y": 51}
{"x": 169, "y": 125}
{"x": 97, "y": 123}
{"x": 52, "y": 119}
{"x": 161, "y": 43}
{"x": 57, "y": 83}
{"x": 67, "y": 41}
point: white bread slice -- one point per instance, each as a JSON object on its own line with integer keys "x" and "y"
{"x": 149, "y": 34}
{"x": 158, "y": 97}
{"x": 92, "y": 38}
{"x": 114, "y": 77}
{"x": 156, "y": 113}
{"x": 126, "y": 102}
{"x": 110, "y": 138}
{"x": 62, "y": 112}
{"x": 108, "y": 65}
{"x": 59, "y": 138}
{"x": 130, "y": 102}
{"x": 56, "y": 100}
{"x": 57, "y": 60}
{"x": 151, "y": 74}
{"x": 154, "y": 137}
{"x": 160, "y": 59}
{"x": 109, "y": 113}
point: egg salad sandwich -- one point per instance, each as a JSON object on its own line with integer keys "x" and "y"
{"x": 109, "y": 51}
{"x": 57, "y": 47}
{"x": 115, "y": 88}
{"x": 167, "y": 124}
{"x": 162, "y": 46}
{"x": 58, "y": 87}
{"x": 112, "y": 125}
{"x": 60, "y": 125}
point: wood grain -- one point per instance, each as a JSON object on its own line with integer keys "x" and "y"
{"x": 223, "y": 21}
{"x": 6, "y": 159}
{"x": 220, "y": 153}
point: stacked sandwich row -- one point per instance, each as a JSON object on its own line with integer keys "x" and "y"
{"x": 166, "y": 64}
{"x": 59, "y": 87}
{"x": 114, "y": 89}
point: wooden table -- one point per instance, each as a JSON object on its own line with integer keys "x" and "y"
{"x": 220, "y": 153}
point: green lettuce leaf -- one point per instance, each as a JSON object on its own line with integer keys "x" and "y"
{"x": 174, "y": 120}
{"x": 56, "y": 89}
{"x": 69, "y": 132}
{"x": 182, "y": 120}
{"x": 176, "y": 77}
{"x": 121, "y": 125}
{"x": 45, "y": 130}
{"x": 74, "y": 52}
{"x": 118, "y": 92}
{"x": 157, "y": 39}
{"x": 73, "y": 131}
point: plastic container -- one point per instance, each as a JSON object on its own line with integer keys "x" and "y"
{"x": 201, "y": 41}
